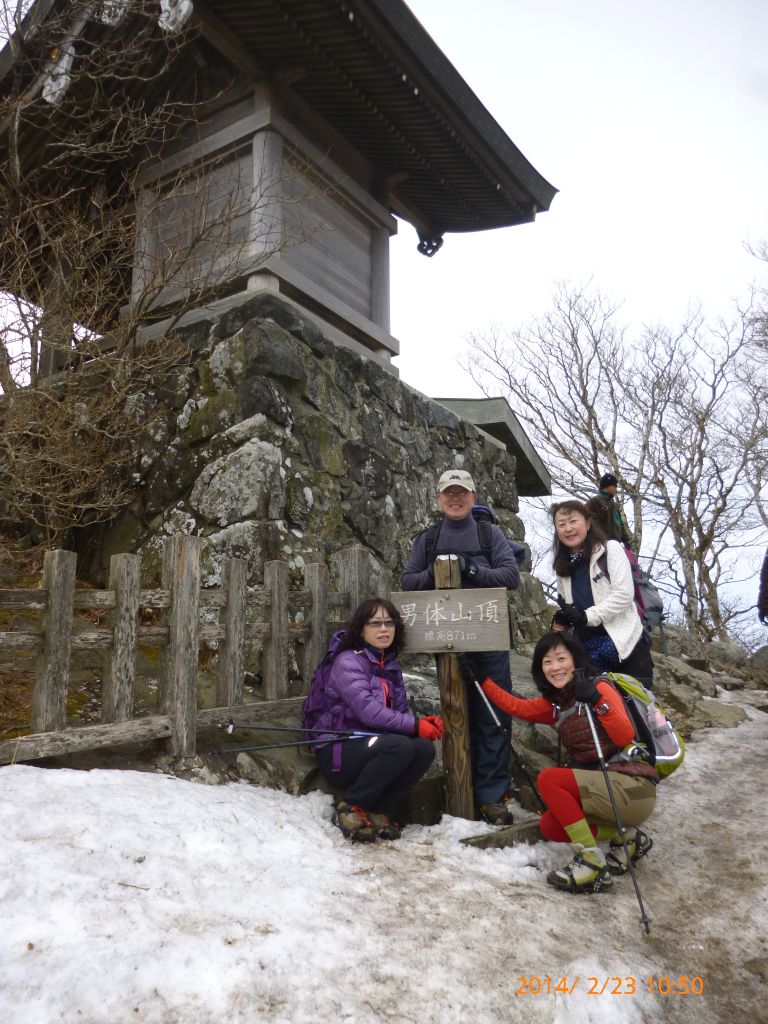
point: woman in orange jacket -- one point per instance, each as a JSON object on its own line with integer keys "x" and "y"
{"x": 579, "y": 808}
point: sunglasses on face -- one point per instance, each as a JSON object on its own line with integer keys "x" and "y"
{"x": 378, "y": 623}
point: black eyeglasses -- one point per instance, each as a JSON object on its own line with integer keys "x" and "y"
{"x": 378, "y": 623}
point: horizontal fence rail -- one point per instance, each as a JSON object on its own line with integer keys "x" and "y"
{"x": 272, "y": 617}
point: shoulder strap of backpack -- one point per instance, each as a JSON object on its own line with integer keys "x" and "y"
{"x": 430, "y": 541}
{"x": 485, "y": 538}
{"x": 602, "y": 562}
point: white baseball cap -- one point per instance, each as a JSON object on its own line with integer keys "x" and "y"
{"x": 456, "y": 478}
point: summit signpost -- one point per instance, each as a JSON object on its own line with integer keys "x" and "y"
{"x": 446, "y": 622}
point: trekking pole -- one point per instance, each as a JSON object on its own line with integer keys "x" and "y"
{"x": 518, "y": 759}
{"x": 644, "y": 919}
{"x": 230, "y": 726}
{"x": 343, "y": 738}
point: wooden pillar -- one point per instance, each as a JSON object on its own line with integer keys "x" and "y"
{"x": 49, "y": 700}
{"x": 353, "y": 570}
{"x": 229, "y": 690}
{"x": 120, "y": 663}
{"x": 181, "y": 576}
{"x": 380, "y": 277}
{"x": 453, "y": 700}
{"x": 267, "y": 215}
{"x": 276, "y": 650}
{"x": 316, "y": 582}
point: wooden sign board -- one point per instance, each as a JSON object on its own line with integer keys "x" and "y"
{"x": 451, "y": 621}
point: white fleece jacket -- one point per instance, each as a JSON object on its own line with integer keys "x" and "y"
{"x": 614, "y": 608}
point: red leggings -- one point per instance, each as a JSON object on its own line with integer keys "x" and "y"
{"x": 561, "y": 795}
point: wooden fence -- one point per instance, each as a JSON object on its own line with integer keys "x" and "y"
{"x": 272, "y": 615}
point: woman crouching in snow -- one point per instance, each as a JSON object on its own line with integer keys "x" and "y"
{"x": 366, "y": 693}
{"x": 579, "y": 808}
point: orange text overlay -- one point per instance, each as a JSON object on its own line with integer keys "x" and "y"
{"x": 682, "y": 985}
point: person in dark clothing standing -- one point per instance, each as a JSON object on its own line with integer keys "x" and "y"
{"x": 605, "y": 508}
{"x": 762, "y": 596}
{"x": 458, "y": 535}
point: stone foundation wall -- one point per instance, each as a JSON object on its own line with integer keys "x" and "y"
{"x": 274, "y": 443}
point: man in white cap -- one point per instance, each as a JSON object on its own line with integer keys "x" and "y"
{"x": 485, "y": 560}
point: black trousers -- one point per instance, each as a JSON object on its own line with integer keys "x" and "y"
{"x": 489, "y": 745}
{"x": 378, "y": 775}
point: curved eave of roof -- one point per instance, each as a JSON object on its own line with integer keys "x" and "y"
{"x": 462, "y": 112}
{"x": 373, "y": 72}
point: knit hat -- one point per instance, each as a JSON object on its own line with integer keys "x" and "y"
{"x": 608, "y": 480}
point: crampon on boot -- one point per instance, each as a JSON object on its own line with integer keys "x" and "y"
{"x": 638, "y": 845}
{"x": 587, "y": 872}
{"x": 353, "y": 822}
{"x": 386, "y": 827}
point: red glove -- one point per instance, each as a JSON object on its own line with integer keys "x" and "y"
{"x": 430, "y": 727}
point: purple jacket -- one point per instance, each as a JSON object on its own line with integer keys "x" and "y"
{"x": 355, "y": 695}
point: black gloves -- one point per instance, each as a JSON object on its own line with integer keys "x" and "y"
{"x": 585, "y": 690}
{"x": 570, "y": 615}
{"x": 467, "y": 568}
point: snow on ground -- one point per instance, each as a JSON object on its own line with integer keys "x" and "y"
{"x": 130, "y": 896}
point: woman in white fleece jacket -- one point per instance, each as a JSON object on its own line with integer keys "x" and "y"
{"x": 597, "y": 595}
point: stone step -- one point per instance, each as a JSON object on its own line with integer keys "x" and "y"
{"x": 521, "y": 832}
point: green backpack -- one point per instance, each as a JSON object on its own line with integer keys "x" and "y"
{"x": 662, "y": 744}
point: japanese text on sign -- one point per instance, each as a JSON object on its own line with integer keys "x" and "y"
{"x": 455, "y": 620}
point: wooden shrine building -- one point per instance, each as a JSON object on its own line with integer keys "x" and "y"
{"x": 312, "y": 123}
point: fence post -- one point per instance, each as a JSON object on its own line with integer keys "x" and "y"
{"x": 181, "y": 576}
{"x": 276, "y": 648}
{"x": 49, "y": 700}
{"x": 353, "y": 568}
{"x": 453, "y": 702}
{"x": 229, "y": 691}
{"x": 316, "y": 582}
{"x": 120, "y": 665}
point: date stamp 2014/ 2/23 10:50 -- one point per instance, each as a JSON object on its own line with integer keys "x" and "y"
{"x": 682, "y": 985}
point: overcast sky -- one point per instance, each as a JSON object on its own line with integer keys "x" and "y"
{"x": 652, "y": 121}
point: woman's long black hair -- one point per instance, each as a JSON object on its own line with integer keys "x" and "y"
{"x": 354, "y": 639}
{"x": 561, "y": 563}
{"x": 548, "y": 643}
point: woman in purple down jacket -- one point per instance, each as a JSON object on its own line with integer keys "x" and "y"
{"x": 365, "y": 692}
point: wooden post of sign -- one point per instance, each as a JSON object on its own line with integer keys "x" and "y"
{"x": 453, "y": 700}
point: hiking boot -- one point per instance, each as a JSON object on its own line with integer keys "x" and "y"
{"x": 353, "y": 822}
{"x": 498, "y": 813}
{"x": 638, "y": 845}
{"x": 587, "y": 872}
{"x": 386, "y": 827}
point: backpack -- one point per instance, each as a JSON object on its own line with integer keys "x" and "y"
{"x": 654, "y": 731}
{"x": 483, "y": 516}
{"x": 314, "y": 702}
{"x": 648, "y": 600}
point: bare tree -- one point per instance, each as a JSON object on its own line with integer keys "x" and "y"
{"x": 675, "y": 415}
{"x": 103, "y": 235}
